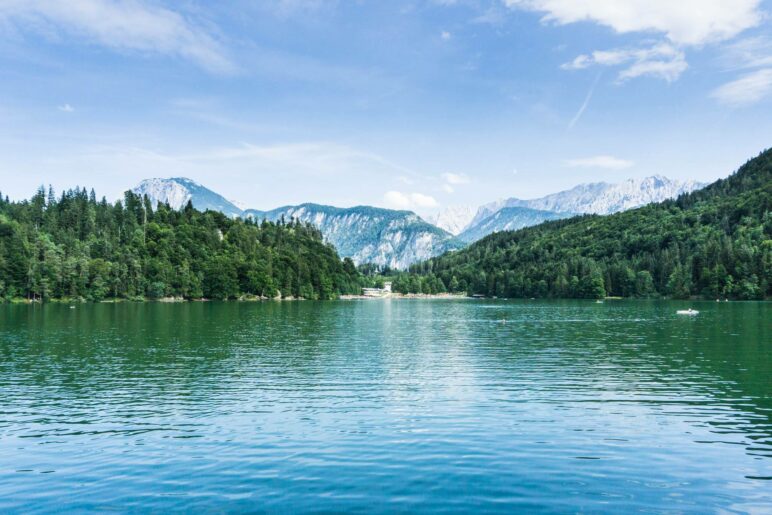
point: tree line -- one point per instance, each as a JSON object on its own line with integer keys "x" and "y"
{"x": 712, "y": 243}
{"x": 74, "y": 246}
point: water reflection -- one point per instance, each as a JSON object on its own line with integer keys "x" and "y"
{"x": 453, "y": 405}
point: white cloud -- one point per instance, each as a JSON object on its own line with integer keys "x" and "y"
{"x": 447, "y": 188}
{"x": 456, "y": 178}
{"x": 396, "y": 200}
{"x": 684, "y": 22}
{"x": 126, "y": 25}
{"x": 66, "y": 108}
{"x": 421, "y": 200}
{"x": 400, "y": 200}
{"x": 445, "y": 35}
{"x": 608, "y": 162}
{"x": 663, "y": 61}
{"x": 746, "y": 90}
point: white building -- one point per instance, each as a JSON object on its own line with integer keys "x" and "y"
{"x": 377, "y": 292}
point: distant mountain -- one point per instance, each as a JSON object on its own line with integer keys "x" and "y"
{"x": 712, "y": 243}
{"x": 400, "y": 238}
{"x": 509, "y": 219}
{"x": 595, "y": 198}
{"x": 370, "y": 235}
{"x": 453, "y": 219}
{"x": 365, "y": 234}
{"x": 178, "y": 191}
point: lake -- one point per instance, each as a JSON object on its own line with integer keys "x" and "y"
{"x": 386, "y": 406}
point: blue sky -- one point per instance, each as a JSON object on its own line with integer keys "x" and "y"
{"x": 403, "y": 104}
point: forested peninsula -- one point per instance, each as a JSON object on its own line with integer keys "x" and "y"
{"x": 74, "y": 247}
{"x": 712, "y": 243}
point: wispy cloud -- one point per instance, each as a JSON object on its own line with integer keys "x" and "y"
{"x": 746, "y": 90}
{"x": 663, "y": 61}
{"x": 66, "y": 108}
{"x": 754, "y": 52}
{"x": 263, "y": 175}
{"x": 584, "y": 105}
{"x": 308, "y": 159}
{"x": 316, "y": 158}
{"x": 125, "y": 25}
{"x": 752, "y": 86}
{"x": 603, "y": 161}
{"x": 494, "y": 15}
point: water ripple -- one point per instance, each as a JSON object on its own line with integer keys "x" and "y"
{"x": 386, "y": 406}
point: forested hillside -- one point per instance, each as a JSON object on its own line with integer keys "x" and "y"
{"x": 715, "y": 242}
{"x": 77, "y": 247}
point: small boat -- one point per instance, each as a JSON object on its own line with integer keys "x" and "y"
{"x": 689, "y": 311}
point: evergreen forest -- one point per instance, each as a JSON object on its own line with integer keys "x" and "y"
{"x": 713, "y": 243}
{"x": 75, "y": 247}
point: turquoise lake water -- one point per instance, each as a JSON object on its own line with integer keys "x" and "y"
{"x": 387, "y": 406}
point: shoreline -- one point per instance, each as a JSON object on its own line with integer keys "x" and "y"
{"x": 399, "y": 296}
{"x": 406, "y": 296}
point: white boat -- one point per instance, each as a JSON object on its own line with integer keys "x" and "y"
{"x": 689, "y": 311}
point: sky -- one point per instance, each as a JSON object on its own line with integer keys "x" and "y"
{"x": 403, "y": 104}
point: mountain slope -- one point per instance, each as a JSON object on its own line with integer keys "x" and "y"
{"x": 599, "y": 198}
{"x": 178, "y": 191}
{"x": 508, "y": 219}
{"x": 715, "y": 242}
{"x": 453, "y": 219}
{"x": 370, "y": 235}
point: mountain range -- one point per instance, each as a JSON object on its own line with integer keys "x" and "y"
{"x": 397, "y": 239}
{"x": 712, "y": 243}
{"x": 600, "y": 198}
{"x": 366, "y": 234}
